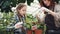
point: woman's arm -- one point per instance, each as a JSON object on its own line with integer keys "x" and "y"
{"x": 56, "y": 12}
{"x": 52, "y": 13}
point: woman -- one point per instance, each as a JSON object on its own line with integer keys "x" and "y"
{"x": 52, "y": 18}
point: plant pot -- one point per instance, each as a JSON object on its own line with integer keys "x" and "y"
{"x": 38, "y": 31}
{"x": 29, "y": 31}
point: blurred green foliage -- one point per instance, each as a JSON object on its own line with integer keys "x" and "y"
{"x": 5, "y": 5}
{"x": 7, "y": 19}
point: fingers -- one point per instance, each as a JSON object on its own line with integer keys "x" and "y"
{"x": 18, "y": 25}
{"x": 34, "y": 27}
{"x": 45, "y": 9}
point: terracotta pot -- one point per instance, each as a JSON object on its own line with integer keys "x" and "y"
{"x": 29, "y": 31}
{"x": 38, "y": 31}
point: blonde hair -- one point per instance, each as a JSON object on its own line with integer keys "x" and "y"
{"x": 19, "y": 6}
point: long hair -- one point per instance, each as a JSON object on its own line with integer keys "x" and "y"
{"x": 52, "y": 4}
{"x": 19, "y": 7}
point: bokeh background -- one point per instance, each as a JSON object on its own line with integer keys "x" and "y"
{"x": 7, "y": 15}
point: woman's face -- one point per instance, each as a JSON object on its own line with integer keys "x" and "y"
{"x": 46, "y": 2}
{"x": 22, "y": 11}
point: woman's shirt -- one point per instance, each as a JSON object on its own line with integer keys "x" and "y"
{"x": 49, "y": 21}
{"x": 57, "y": 15}
{"x": 53, "y": 21}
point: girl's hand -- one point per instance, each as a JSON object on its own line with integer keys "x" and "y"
{"x": 18, "y": 25}
{"x": 34, "y": 27}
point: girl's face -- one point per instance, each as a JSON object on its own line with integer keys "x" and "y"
{"x": 22, "y": 11}
{"x": 47, "y": 2}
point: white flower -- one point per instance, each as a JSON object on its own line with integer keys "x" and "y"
{"x": 1, "y": 15}
{"x": 13, "y": 9}
{"x": 33, "y": 8}
{"x": 4, "y": 20}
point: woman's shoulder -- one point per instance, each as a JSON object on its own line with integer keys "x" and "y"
{"x": 57, "y": 5}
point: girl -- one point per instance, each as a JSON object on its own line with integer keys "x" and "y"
{"x": 20, "y": 18}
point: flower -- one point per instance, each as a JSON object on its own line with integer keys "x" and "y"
{"x": 1, "y": 15}
{"x": 13, "y": 9}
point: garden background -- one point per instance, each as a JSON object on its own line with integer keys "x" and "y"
{"x": 7, "y": 15}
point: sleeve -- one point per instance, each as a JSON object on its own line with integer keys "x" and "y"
{"x": 57, "y": 11}
{"x": 57, "y": 15}
{"x": 16, "y": 20}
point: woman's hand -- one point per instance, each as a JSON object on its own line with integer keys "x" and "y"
{"x": 40, "y": 16}
{"x": 47, "y": 10}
